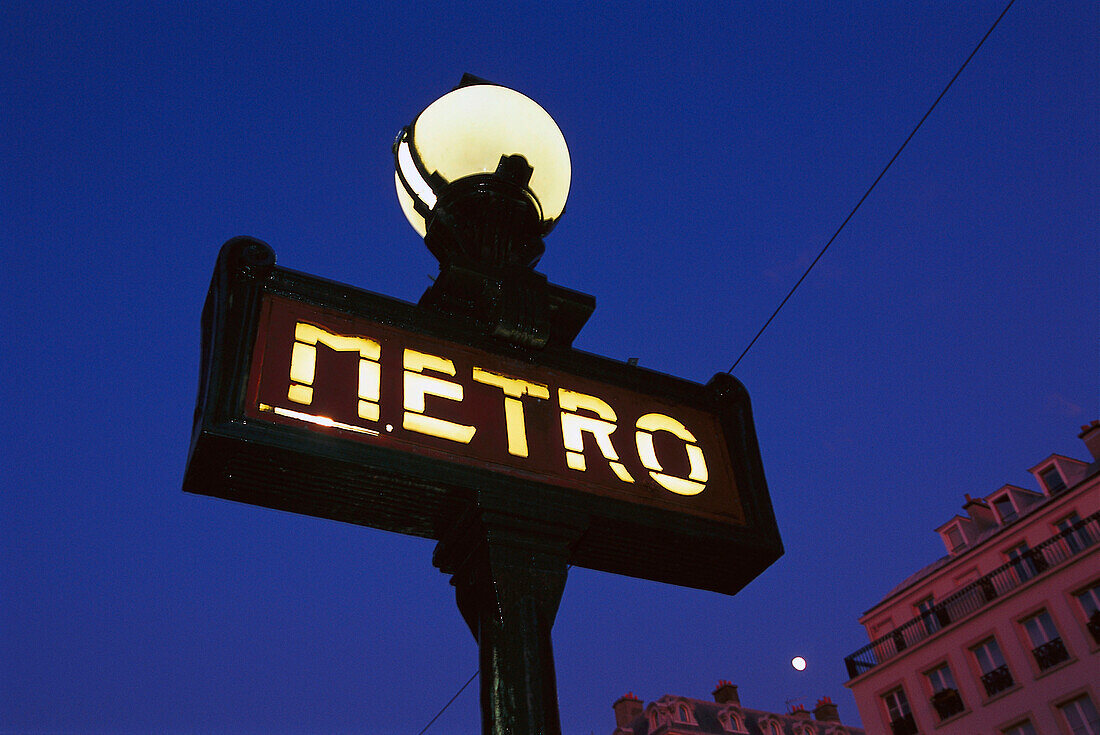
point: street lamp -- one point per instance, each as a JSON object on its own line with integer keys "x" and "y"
{"x": 482, "y": 174}
{"x": 488, "y": 154}
{"x": 469, "y": 419}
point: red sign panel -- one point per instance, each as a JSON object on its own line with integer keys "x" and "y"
{"x": 374, "y": 383}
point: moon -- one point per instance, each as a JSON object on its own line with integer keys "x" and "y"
{"x": 798, "y": 663}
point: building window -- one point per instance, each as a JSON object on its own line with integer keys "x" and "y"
{"x": 926, "y": 608}
{"x": 731, "y": 722}
{"x": 995, "y": 674}
{"x": 769, "y": 726}
{"x": 1022, "y": 561}
{"x": 1075, "y": 535}
{"x": 1022, "y": 728}
{"x": 897, "y": 712}
{"x": 1053, "y": 480}
{"x": 955, "y": 539}
{"x": 1046, "y": 645}
{"x": 1081, "y": 716}
{"x": 1005, "y": 509}
{"x": 1089, "y": 600}
{"x": 945, "y": 695}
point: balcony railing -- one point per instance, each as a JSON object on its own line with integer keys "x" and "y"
{"x": 997, "y": 680}
{"x": 1051, "y": 653}
{"x": 1094, "y": 626}
{"x": 979, "y": 593}
{"x": 905, "y": 725}
{"x": 947, "y": 703}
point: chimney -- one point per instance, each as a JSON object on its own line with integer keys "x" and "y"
{"x": 726, "y": 693}
{"x": 1090, "y": 435}
{"x": 826, "y": 711}
{"x": 799, "y": 712}
{"x": 979, "y": 512}
{"x": 626, "y": 707}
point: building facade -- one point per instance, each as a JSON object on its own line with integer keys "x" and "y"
{"x": 675, "y": 715}
{"x": 1002, "y": 635}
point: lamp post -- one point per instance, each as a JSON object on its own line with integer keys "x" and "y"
{"x": 483, "y": 174}
{"x": 469, "y": 418}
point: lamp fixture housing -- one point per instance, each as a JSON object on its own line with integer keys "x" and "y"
{"x": 482, "y": 174}
{"x": 489, "y": 169}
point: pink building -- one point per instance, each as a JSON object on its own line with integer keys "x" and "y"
{"x": 725, "y": 715}
{"x": 1002, "y": 635}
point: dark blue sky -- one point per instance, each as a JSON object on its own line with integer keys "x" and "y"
{"x": 947, "y": 341}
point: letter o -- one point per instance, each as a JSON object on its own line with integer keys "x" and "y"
{"x": 696, "y": 481}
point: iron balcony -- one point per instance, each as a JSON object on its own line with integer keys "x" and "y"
{"x": 976, "y": 595}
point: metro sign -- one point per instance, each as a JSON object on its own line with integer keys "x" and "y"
{"x": 372, "y": 383}
{"x": 322, "y": 399}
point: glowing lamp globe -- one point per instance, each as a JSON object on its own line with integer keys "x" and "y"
{"x": 482, "y": 174}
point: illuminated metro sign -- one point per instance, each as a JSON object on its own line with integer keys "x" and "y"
{"x": 375, "y": 384}
{"x": 322, "y": 399}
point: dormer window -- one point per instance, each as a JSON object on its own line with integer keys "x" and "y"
{"x": 731, "y": 719}
{"x": 669, "y": 710}
{"x": 1005, "y": 509}
{"x": 1052, "y": 480}
{"x": 955, "y": 540}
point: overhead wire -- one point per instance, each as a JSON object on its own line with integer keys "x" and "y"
{"x": 811, "y": 266}
{"x": 871, "y": 187}
{"x": 460, "y": 690}
{"x": 449, "y": 702}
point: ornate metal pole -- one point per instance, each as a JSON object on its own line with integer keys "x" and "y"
{"x": 509, "y": 573}
{"x": 485, "y": 226}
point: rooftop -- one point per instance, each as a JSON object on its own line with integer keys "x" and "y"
{"x": 980, "y": 526}
{"x": 984, "y": 531}
{"x": 675, "y": 715}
